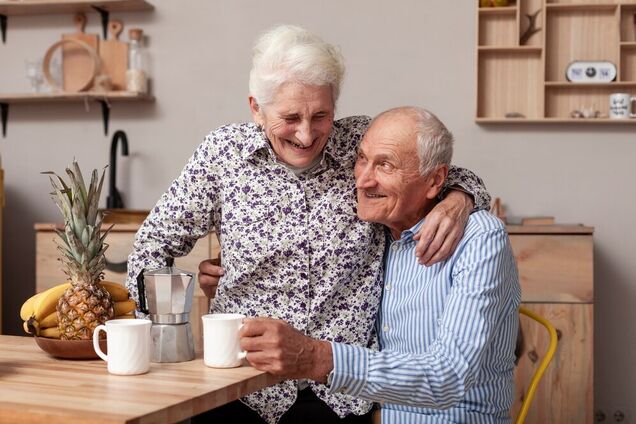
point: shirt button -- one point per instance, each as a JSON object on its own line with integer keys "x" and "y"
{"x": 395, "y": 246}
{"x": 388, "y": 286}
{"x": 385, "y": 328}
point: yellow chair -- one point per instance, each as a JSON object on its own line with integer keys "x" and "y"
{"x": 525, "y": 406}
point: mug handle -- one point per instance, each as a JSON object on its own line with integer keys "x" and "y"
{"x": 631, "y": 104}
{"x": 242, "y": 354}
{"x": 98, "y": 351}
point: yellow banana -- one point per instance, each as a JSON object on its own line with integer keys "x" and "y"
{"x": 27, "y": 307}
{"x": 49, "y": 321}
{"x": 124, "y": 307}
{"x": 51, "y": 332}
{"x": 47, "y": 303}
{"x": 118, "y": 292}
{"x": 31, "y": 326}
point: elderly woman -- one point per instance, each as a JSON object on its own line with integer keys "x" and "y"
{"x": 280, "y": 193}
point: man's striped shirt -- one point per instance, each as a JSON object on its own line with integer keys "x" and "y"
{"x": 447, "y": 333}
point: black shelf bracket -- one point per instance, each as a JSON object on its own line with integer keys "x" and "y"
{"x": 3, "y": 28}
{"x": 104, "y": 14}
{"x": 105, "y": 114}
{"x": 4, "y": 111}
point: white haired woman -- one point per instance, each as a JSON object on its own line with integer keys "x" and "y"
{"x": 280, "y": 193}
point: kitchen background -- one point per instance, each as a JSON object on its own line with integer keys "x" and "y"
{"x": 404, "y": 52}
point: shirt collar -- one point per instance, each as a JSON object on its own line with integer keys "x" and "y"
{"x": 255, "y": 141}
{"x": 407, "y": 235}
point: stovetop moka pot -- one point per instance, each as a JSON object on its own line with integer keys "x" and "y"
{"x": 165, "y": 294}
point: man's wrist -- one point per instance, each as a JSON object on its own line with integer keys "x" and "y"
{"x": 322, "y": 361}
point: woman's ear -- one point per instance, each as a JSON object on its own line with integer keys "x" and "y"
{"x": 256, "y": 111}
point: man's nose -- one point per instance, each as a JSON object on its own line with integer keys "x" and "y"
{"x": 365, "y": 177}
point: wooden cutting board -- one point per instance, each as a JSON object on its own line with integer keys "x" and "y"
{"x": 114, "y": 55}
{"x": 76, "y": 63}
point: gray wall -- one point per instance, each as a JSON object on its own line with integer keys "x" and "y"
{"x": 405, "y": 52}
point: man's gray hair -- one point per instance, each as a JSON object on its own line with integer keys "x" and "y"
{"x": 434, "y": 140}
{"x": 289, "y": 53}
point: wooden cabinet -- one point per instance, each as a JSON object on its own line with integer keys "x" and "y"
{"x": 530, "y": 79}
{"x": 556, "y": 275}
{"x": 48, "y": 272}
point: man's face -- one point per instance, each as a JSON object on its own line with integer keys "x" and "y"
{"x": 297, "y": 122}
{"x": 391, "y": 190}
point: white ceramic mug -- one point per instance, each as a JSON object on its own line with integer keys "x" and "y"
{"x": 128, "y": 343}
{"x": 620, "y": 106}
{"x": 221, "y": 347}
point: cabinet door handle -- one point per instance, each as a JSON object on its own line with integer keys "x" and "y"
{"x": 117, "y": 266}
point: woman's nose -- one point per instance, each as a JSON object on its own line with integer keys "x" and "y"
{"x": 304, "y": 134}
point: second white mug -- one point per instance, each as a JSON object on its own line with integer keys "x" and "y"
{"x": 620, "y": 106}
{"x": 128, "y": 342}
{"x": 221, "y": 347}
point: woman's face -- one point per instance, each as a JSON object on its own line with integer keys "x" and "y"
{"x": 297, "y": 122}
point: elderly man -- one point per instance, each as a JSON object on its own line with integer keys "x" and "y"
{"x": 448, "y": 331}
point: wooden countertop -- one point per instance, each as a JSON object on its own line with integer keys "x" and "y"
{"x": 36, "y": 388}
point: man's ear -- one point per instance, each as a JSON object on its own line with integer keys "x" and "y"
{"x": 256, "y": 111}
{"x": 435, "y": 181}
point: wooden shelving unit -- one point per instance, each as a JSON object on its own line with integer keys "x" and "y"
{"x": 47, "y": 7}
{"x": 530, "y": 79}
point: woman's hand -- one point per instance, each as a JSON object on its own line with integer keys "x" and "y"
{"x": 210, "y": 273}
{"x": 443, "y": 228}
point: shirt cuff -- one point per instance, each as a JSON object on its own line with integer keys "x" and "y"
{"x": 350, "y": 365}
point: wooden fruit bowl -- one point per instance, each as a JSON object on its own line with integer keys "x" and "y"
{"x": 69, "y": 349}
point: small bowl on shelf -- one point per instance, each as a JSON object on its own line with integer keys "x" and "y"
{"x": 69, "y": 349}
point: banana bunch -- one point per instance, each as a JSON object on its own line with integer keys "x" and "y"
{"x": 40, "y": 315}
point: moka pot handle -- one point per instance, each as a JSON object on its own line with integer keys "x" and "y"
{"x": 141, "y": 291}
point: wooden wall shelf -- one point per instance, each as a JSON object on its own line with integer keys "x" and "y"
{"x": 580, "y": 6}
{"x": 51, "y": 7}
{"x": 115, "y": 96}
{"x": 576, "y": 121}
{"x": 48, "y": 7}
{"x": 498, "y": 10}
{"x": 530, "y": 79}
{"x": 104, "y": 100}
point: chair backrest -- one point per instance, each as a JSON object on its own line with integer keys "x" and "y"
{"x": 543, "y": 365}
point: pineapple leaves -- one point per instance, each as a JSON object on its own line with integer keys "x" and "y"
{"x": 82, "y": 244}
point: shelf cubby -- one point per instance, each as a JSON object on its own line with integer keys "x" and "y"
{"x": 628, "y": 22}
{"x": 573, "y": 34}
{"x": 498, "y": 29}
{"x": 510, "y": 83}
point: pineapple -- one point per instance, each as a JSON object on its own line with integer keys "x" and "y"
{"x": 85, "y": 304}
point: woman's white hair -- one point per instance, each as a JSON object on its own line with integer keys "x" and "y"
{"x": 434, "y": 140}
{"x": 289, "y": 53}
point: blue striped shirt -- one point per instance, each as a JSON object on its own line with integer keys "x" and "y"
{"x": 447, "y": 333}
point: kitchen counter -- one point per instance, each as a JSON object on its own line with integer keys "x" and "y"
{"x": 36, "y": 388}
